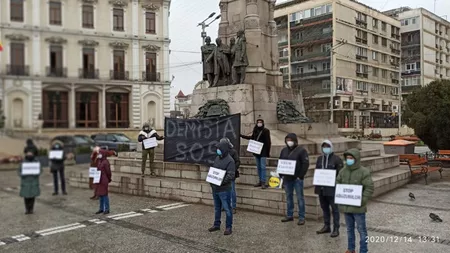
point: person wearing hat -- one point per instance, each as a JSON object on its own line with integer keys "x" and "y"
{"x": 237, "y": 162}
{"x": 146, "y": 133}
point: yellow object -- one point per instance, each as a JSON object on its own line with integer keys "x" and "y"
{"x": 274, "y": 182}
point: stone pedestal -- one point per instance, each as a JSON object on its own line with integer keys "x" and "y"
{"x": 252, "y": 101}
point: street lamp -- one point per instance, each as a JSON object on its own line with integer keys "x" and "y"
{"x": 204, "y": 25}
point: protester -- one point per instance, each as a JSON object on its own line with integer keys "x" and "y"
{"x": 94, "y": 164}
{"x": 147, "y": 133}
{"x": 29, "y": 184}
{"x": 353, "y": 173}
{"x": 293, "y": 151}
{"x": 222, "y": 193}
{"x": 105, "y": 178}
{"x": 328, "y": 160}
{"x": 261, "y": 134}
{"x": 30, "y": 147}
{"x": 57, "y": 167}
{"x": 234, "y": 154}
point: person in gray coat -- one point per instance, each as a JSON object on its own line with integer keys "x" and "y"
{"x": 237, "y": 162}
{"x": 222, "y": 193}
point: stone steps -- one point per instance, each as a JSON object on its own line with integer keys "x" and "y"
{"x": 271, "y": 201}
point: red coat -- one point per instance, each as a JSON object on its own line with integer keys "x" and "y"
{"x": 101, "y": 188}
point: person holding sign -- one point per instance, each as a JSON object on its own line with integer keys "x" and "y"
{"x": 148, "y": 147}
{"x": 94, "y": 164}
{"x": 221, "y": 191}
{"x": 262, "y": 135}
{"x": 328, "y": 161}
{"x": 354, "y": 174}
{"x": 57, "y": 158}
{"x": 294, "y": 152}
{"x": 29, "y": 173}
{"x": 105, "y": 178}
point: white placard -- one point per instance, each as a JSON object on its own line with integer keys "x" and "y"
{"x": 324, "y": 177}
{"x": 150, "y": 143}
{"x": 97, "y": 177}
{"x": 255, "y": 147}
{"x": 92, "y": 171}
{"x": 31, "y": 169}
{"x": 215, "y": 176}
{"x": 348, "y": 194}
{"x": 56, "y": 154}
{"x": 286, "y": 167}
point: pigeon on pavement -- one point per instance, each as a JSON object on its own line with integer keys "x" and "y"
{"x": 411, "y": 195}
{"x": 435, "y": 217}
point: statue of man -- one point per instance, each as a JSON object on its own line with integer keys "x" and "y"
{"x": 231, "y": 60}
{"x": 240, "y": 58}
{"x": 208, "y": 67}
{"x": 221, "y": 64}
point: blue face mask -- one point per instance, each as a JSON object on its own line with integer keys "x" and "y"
{"x": 350, "y": 162}
{"x": 219, "y": 153}
{"x": 326, "y": 151}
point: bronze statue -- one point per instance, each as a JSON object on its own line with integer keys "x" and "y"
{"x": 221, "y": 64}
{"x": 208, "y": 67}
{"x": 240, "y": 58}
{"x": 231, "y": 60}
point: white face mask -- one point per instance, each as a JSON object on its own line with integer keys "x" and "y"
{"x": 259, "y": 124}
{"x": 290, "y": 143}
{"x": 99, "y": 156}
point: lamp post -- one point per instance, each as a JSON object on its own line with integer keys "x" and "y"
{"x": 203, "y": 24}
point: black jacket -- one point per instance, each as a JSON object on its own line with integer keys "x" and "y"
{"x": 237, "y": 161}
{"x": 57, "y": 164}
{"x": 298, "y": 154}
{"x": 30, "y": 147}
{"x": 224, "y": 162}
{"x": 148, "y": 134}
{"x": 261, "y": 134}
{"x": 330, "y": 162}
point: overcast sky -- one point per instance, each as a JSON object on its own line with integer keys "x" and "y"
{"x": 185, "y": 15}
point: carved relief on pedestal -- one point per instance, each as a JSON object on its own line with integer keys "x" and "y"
{"x": 17, "y": 37}
{"x": 119, "y": 45}
{"x": 251, "y": 23}
{"x": 231, "y": 96}
{"x": 56, "y": 40}
{"x": 270, "y": 94}
{"x": 88, "y": 43}
{"x": 118, "y": 3}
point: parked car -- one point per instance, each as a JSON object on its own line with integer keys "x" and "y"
{"x": 76, "y": 143}
{"x": 112, "y": 141}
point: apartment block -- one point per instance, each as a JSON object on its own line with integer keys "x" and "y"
{"x": 84, "y": 63}
{"x": 425, "y": 47}
{"x": 345, "y": 57}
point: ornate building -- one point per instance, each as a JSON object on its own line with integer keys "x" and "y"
{"x": 69, "y": 62}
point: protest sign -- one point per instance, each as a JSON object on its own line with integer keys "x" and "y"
{"x": 324, "y": 177}
{"x": 286, "y": 167}
{"x": 348, "y": 194}
{"x": 31, "y": 169}
{"x": 92, "y": 171}
{"x": 255, "y": 147}
{"x": 215, "y": 176}
{"x": 56, "y": 154}
{"x": 97, "y": 177}
{"x": 150, "y": 143}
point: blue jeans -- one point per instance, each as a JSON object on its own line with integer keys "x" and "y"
{"x": 360, "y": 219}
{"x": 261, "y": 166}
{"x": 289, "y": 187}
{"x": 104, "y": 203}
{"x": 233, "y": 194}
{"x": 55, "y": 180}
{"x": 222, "y": 200}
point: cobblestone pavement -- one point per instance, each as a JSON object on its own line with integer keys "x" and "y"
{"x": 139, "y": 224}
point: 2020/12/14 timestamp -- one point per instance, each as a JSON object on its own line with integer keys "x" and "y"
{"x": 400, "y": 239}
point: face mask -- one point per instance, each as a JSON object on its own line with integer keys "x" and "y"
{"x": 99, "y": 156}
{"x": 259, "y": 124}
{"x": 29, "y": 157}
{"x": 219, "y": 153}
{"x": 290, "y": 143}
{"x": 56, "y": 146}
{"x": 350, "y": 162}
{"x": 326, "y": 150}
{"x": 146, "y": 129}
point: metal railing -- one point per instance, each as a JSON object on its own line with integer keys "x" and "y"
{"x": 18, "y": 70}
{"x": 151, "y": 76}
{"x": 88, "y": 73}
{"x": 118, "y": 75}
{"x": 56, "y": 72}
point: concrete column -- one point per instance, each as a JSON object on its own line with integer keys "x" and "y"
{"x": 72, "y": 106}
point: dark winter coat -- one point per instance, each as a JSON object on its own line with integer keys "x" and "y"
{"x": 261, "y": 134}
{"x": 147, "y": 135}
{"x": 224, "y": 162}
{"x": 298, "y": 154}
{"x": 237, "y": 162}
{"x": 29, "y": 185}
{"x": 329, "y": 162}
{"x": 30, "y": 147}
{"x": 105, "y": 177}
{"x": 57, "y": 164}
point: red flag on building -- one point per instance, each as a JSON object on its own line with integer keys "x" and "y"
{"x": 1, "y": 46}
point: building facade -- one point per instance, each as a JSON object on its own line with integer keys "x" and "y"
{"x": 425, "y": 47}
{"x": 84, "y": 63}
{"x": 346, "y": 51}
{"x": 183, "y": 104}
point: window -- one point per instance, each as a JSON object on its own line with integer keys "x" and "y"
{"x": 119, "y": 64}
{"x": 374, "y": 56}
{"x": 361, "y": 86}
{"x": 375, "y": 23}
{"x": 384, "y": 42}
{"x": 55, "y": 13}
{"x": 375, "y": 88}
{"x": 375, "y": 39}
{"x": 117, "y": 110}
{"x": 326, "y": 47}
{"x": 311, "y": 66}
{"x": 307, "y": 14}
{"x": 150, "y": 21}
{"x": 88, "y": 16}
{"x": 17, "y": 59}
{"x": 383, "y": 26}
{"x": 55, "y": 109}
{"x": 86, "y": 111}
{"x": 310, "y": 49}
{"x": 150, "y": 67}
{"x": 318, "y": 11}
{"x": 410, "y": 37}
{"x": 16, "y": 10}
{"x": 384, "y": 73}
{"x": 326, "y": 30}
{"x": 360, "y": 68}
{"x": 88, "y": 70}
{"x": 383, "y": 89}
{"x": 326, "y": 84}
{"x": 329, "y": 8}
{"x": 394, "y": 91}
{"x": 325, "y": 65}
{"x": 56, "y": 61}
{"x": 361, "y": 51}
{"x": 118, "y": 20}
{"x": 384, "y": 58}
{"x": 375, "y": 72}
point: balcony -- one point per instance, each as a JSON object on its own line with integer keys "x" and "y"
{"x": 311, "y": 21}
{"x": 316, "y": 38}
{"x": 285, "y": 76}
{"x": 395, "y": 81}
{"x": 413, "y": 57}
{"x": 409, "y": 44}
{"x": 361, "y": 40}
{"x": 311, "y": 74}
{"x": 118, "y": 75}
{"x": 394, "y": 49}
{"x": 411, "y": 72}
{"x": 18, "y": 70}
{"x": 362, "y": 74}
{"x": 361, "y": 22}
{"x": 56, "y": 72}
{"x": 88, "y": 73}
{"x": 151, "y": 76}
{"x": 395, "y": 64}
{"x": 284, "y": 59}
{"x": 395, "y": 36}
{"x": 282, "y": 43}
{"x": 312, "y": 56}
{"x": 361, "y": 57}
{"x": 282, "y": 26}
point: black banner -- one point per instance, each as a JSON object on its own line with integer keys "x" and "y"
{"x": 195, "y": 140}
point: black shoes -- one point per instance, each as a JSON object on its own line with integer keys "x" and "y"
{"x": 99, "y": 212}
{"x": 335, "y": 233}
{"x": 301, "y": 222}
{"x": 213, "y": 229}
{"x": 106, "y": 212}
{"x": 54, "y": 194}
{"x": 227, "y": 231}
{"x": 324, "y": 230}
{"x": 64, "y": 193}
{"x": 287, "y": 219}
{"x": 258, "y": 185}
{"x": 264, "y": 186}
